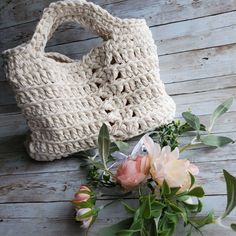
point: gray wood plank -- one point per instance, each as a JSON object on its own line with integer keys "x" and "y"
{"x": 18, "y": 162}
{"x": 163, "y": 11}
{"x": 57, "y": 218}
{"x": 16, "y": 12}
{"x": 60, "y": 186}
{"x": 55, "y": 227}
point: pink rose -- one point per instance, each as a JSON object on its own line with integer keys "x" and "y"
{"x": 86, "y": 222}
{"x": 133, "y": 171}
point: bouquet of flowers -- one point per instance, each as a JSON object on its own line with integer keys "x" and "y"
{"x": 163, "y": 183}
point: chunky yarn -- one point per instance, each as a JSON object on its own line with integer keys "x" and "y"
{"x": 66, "y": 101}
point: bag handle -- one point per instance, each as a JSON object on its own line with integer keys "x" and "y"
{"x": 86, "y": 13}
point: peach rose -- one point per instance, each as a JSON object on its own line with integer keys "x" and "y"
{"x": 166, "y": 165}
{"x": 133, "y": 171}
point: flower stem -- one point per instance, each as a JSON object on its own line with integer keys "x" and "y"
{"x": 193, "y": 143}
{"x": 109, "y": 203}
{"x": 185, "y": 147}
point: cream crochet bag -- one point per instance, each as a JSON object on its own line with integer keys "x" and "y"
{"x": 66, "y": 101}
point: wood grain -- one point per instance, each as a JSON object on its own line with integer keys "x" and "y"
{"x": 56, "y": 218}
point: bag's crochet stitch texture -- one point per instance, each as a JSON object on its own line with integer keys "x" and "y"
{"x": 66, "y": 101}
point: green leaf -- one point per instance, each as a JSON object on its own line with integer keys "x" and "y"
{"x": 126, "y": 232}
{"x": 200, "y": 222}
{"x": 220, "y": 110}
{"x": 194, "y": 207}
{"x": 113, "y": 229}
{"x": 231, "y": 192}
{"x": 200, "y": 205}
{"x": 128, "y": 208}
{"x": 174, "y": 190}
{"x": 216, "y": 141}
{"x": 88, "y": 204}
{"x": 186, "y": 128}
{"x": 156, "y": 223}
{"x": 165, "y": 189}
{"x": 196, "y": 192}
{"x": 175, "y": 208}
{"x": 192, "y": 180}
{"x": 192, "y": 120}
{"x": 121, "y": 145}
{"x": 145, "y": 209}
{"x": 104, "y": 144}
{"x": 183, "y": 198}
{"x": 233, "y": 227}
{"x": 172, "y": 217}
{"x": 137, "y": 224}
{"x": 156, "y": 208}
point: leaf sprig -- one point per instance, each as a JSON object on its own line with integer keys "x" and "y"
{"x": 203, "y": 134}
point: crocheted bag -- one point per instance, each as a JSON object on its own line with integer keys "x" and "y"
{"x": 66, "y": 101}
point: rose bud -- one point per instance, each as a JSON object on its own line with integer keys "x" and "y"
{"x": 87, "y": 221}
{"x": 83, "y": 195}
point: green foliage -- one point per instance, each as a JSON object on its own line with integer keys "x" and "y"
{"x": 98, "y": 172}
{"x": 104, "y": 144}
{"x": 156, "y": 216}
{"x": 220, "y": 110}
{"x": 167, "y": 135}
{"x": 233, "y": 227}
{"x": 231, "y": 192}
{"x": 202, "y": 221}
{"x": 165, "y": 190}
{"x": 159, "y": 212}
{"x": 114, "y": 229}
{"x": 216, "y": 141}
{"x": 196, "y": 192}
{"x": 193, "y": 124}
{"x": 192, "y": 120}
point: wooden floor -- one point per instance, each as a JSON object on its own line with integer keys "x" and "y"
{"x": 197, "y": 46}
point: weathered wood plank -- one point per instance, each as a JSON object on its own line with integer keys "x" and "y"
{"x": 16, "y": 12}
{"x": 18, "y": 162}
{"x": 57, "y": 218}
{"x": 64, "y": 210}
{"x": 55, "y": 227}
{"x": 201, "y": 85}
{"x": 195, "y": 34}
{"x": 162, "y": 11}
{"x": 60, "y": 186}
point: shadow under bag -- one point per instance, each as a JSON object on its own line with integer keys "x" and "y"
{"x": 66, "y": 101}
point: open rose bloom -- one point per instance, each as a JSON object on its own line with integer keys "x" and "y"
{"x": 159, "y": 164}
{"x": 132, "y": 172}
